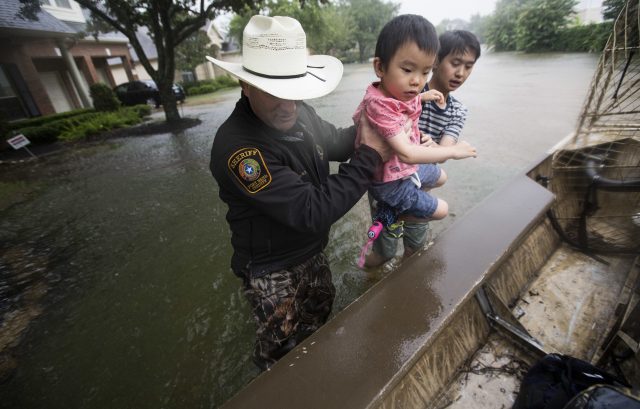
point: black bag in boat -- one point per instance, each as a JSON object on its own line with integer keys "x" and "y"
{"x": 605, "y": 397}
{"x": 555, "y": 379}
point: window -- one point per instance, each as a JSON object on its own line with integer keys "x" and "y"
{"x": 6, "y": 90}
{"x": 11, "y": 105}
{"x": 187, "y": 76}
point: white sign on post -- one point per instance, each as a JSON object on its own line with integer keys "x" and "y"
{"x": 20, "y": 141}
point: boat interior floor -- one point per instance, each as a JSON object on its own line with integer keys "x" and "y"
{"x": 574, "y": 306}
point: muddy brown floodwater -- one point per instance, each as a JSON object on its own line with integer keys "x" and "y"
{"x": 115, "y": 287}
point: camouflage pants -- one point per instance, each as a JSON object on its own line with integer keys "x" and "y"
{"x": 288, "y": 306}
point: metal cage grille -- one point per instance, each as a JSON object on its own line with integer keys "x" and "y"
{"x": 597, "y": 176}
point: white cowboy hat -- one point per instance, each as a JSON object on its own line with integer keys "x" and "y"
{"x": 275, "y": 60}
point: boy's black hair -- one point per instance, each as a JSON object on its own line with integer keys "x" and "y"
{"x": 402, "y": 29}
{"x": 457, "y": 42}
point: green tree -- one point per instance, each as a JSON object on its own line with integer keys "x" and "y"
{"x": 612, "y": 8}
{"x": 169, "y": 23}
{"x": 452, "y": 24}
{"x": 328, "y": 26}
{"x": 339, "y": 31}
{"x": 193, "y": 51}
{"x": 501, "y": 26}
{"x": 539, "y": 23}
{"x": 478, "y": 26}
{"x": 369, "y": 16}
{"x": 240, "y": 20}
{"x": 310, "y": 15}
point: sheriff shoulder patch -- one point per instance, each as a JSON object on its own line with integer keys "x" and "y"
{"x": 248, "y": 166}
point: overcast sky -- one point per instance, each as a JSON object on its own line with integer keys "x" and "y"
{"x": 438, "y": 10}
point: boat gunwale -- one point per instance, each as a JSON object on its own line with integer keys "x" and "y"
{"x": 309, "y": 362}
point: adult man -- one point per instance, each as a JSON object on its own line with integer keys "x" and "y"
{"x": 271, "y": 161}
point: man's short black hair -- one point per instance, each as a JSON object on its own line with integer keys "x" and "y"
{"x": 457, "y": 42}
{"x": 403, "y": 29}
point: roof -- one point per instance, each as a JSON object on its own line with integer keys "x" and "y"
{"x": 46, "y": 23}
{"x": 82, "y": 28}
{"x": 147, "y": 45}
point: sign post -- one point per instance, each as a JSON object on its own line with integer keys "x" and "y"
{"x": 20, "y": 141}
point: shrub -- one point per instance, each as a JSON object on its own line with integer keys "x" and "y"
{"x": 104, "y": 99}
{"x": 585, "y": 38}
{"x": 42, "y": 134}
{"x": 38, "y": 121}
{"x": 142, "y": 110}
{"x": 208, "y": 86}
{"x": 227, "y": 81}
{"x": 87, "y": 124}
{"x": 202, "y": 89}
{"x": 100, "y": 123}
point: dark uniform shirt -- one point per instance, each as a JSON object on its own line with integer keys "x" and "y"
{"x": 282, "y": 200}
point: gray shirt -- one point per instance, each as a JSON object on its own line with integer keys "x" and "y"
{"x": 437, "y": 122}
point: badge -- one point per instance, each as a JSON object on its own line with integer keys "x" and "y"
{"x": 248, "y": 166}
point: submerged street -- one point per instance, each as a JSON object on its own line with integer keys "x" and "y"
{"x": 115, "y": 286}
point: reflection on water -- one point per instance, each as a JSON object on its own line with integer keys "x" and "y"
{"x": 115, "y": 289}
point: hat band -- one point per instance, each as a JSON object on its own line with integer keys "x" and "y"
{"x": 284, "y": 77}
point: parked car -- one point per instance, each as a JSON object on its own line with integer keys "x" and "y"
{"x": 144, "y": 92}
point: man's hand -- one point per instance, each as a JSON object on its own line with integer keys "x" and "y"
{"x": 369, "y": 137}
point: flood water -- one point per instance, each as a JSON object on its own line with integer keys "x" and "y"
{"x": 115, "y": 284}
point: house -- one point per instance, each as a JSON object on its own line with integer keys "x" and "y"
{"x": 118, "y": 68}
{"x": 47, "y": 65}
{"x": 204, "y": 71}
{"x": 207, "y": 70}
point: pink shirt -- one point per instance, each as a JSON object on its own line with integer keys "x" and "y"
{"x": 388, "y": 117}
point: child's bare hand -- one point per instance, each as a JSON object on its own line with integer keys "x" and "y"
{"x": 432, "y": 95}
{"x": 464, "y": 150}
{"x": 425, "y": 140}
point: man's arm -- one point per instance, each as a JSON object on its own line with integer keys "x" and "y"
{"x": 340, "y": 142}
{"x": 452, "y": 130}
{"x": 290, "y": 198}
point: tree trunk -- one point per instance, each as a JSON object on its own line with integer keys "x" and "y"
{"x": 361, "y": 50}
{"x": 168, "y": 101}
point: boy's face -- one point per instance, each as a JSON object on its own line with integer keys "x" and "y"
{"x": 406, "y": 74}
{"x": 450, "y": 73}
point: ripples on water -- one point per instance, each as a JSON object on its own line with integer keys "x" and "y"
{"x": 115, "y": 289}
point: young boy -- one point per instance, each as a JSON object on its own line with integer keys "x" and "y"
{"x": 404, "y": 57}
{"x": 441, "y": 125}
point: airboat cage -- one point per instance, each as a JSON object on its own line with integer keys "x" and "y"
{"x": 603, "y": 158}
